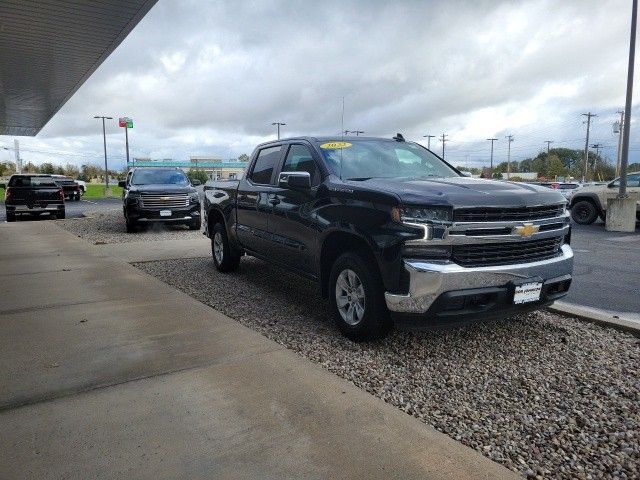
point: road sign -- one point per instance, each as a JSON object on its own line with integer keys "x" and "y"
{"x": 125, "y": 122}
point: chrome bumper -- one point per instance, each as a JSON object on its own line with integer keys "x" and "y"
{"x": 429, "y": 280}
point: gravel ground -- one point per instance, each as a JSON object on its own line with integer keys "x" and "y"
{"x": 544, "y": 395}
{"x": 109, "y": 227}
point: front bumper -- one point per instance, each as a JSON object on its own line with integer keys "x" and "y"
{"x": 178, "y": 215}
{"x": 449, "y": 290}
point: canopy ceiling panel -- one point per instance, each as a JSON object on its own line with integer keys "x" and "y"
{"x": 48, "y": 48}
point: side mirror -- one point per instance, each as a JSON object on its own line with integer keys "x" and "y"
{"x": 196, "y": 182}
{"x": 122, "y": 184}
{"x": 295, "y": 180}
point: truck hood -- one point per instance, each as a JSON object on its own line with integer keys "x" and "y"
{"x": 162, "y": 188}
{"x": 460, "y": 192}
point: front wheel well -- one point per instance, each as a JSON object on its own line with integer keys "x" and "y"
{"x": 214, "y": 216}
{"x": 335, "y": 245}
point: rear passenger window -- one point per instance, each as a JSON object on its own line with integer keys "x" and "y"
{"x": 299, "y": 159}
{"x": 265, "y": 163}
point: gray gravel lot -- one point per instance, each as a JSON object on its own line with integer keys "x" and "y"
{"x": 547, "y": 396}
{"x": 109, "y": 227}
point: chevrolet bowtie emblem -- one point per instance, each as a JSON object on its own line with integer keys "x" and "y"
{"x": 527, "y": 229}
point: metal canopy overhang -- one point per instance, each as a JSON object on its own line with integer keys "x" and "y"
{"x": 49, "y": 48}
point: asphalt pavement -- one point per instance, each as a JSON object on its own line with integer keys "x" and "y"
{"x": 73, "y": 209}
{"x": 606, "y": 268}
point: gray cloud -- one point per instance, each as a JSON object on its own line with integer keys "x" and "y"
{"x": 200, "y": 77}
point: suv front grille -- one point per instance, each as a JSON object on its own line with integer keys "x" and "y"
{"x": 507, "y": 214}
{"x": 173, "y": 200}
{"x": 507, "y": 253}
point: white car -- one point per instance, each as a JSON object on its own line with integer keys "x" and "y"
{"x": 83, "y": 186}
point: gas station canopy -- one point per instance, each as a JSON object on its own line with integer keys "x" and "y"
{"x": 48, "y": 48}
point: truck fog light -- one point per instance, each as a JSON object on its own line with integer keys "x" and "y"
{"x": 426, "y": 251}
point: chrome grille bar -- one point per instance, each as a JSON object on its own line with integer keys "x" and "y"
{"x": 164, "y": 201}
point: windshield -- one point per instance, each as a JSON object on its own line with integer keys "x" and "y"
{"x": 364, "y": 159}
{"x": 159, "y": 177}
{"x": 27, "y": 181}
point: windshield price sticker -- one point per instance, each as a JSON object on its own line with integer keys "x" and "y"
{"x": 335, "y": 145}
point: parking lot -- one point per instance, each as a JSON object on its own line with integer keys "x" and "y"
{"x": 73, "y": 209}
{"x": 539, "y": 394}
{"x": 606, "y": 269}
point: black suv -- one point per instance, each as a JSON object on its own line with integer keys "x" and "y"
{"x": 160, "y": 195}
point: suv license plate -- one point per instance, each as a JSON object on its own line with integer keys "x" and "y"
{"x": 527, "y": 292}
{"x": 165, "y": 213}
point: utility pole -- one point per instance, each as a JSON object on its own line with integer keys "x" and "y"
{"x": 279, "y": 124}
{"x": 597, "y": 146}
{"x": 357, "y": 132}
{"x": 347, "y": 132}
{"x": 509, "y": 140}
{"x": 548, "y": 142}
{"x": 619, "y": 132}
{"x": 444, "y": 140}
{"x": 586, "y": 145}
{"x": 429, "y": 137}
{"x": 16, "y": 151}
{"x": 104, "y": 139}
{"x": 491, "y": 164}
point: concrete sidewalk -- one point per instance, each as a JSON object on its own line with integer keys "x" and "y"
{"x": 109, "y": 373}
{"x": 146, "y": 251}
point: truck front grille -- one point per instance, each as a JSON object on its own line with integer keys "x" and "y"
{"x": 173, "y": 200}
{"x": 506, "y": 253}
{"x": 507, "y": 214}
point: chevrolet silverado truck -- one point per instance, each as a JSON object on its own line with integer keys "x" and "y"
{"x": 391, "y": 231}
{"x": 159, "y": 195}
{"x": 590, "y": 202}
{"x": 33, "y": 194}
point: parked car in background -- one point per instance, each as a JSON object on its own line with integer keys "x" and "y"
{"x": 590, "y": 201}
{"x": 33, "y": 194}
{"x": 69, "y": 186}
{"x": 384, "y": 225}
{"x": 567, "y": 189}
{"x": 160, "y": 195}
{"x": 83, "y": 186}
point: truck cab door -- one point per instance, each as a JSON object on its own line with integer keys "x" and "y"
{"x": 252, "y": 203}
{"x": 291, "y": 222}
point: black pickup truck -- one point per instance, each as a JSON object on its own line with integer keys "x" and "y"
{"x": 69, "y": 186}
{"x": 386, "y": 226}
{"x": 32, "y": 194}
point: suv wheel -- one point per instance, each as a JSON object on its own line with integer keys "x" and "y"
{"x": 357, "y": 301}
{"x": 224, "y": 257}
{"x": 584, "y": 212}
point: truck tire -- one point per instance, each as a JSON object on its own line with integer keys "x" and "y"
{"x": 11, "y": 217}
{"x": 356, "y": 295}
{"x": 131, "y": 225}
{"x": 225, "y": 258}
{"x": 584, "y": 212}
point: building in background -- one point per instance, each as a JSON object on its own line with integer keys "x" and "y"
{"x": 214, "y": 167}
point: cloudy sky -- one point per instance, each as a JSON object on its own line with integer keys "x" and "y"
{"x": 209, "y": 78}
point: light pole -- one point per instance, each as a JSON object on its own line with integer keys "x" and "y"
{"x": 104, "y": 139}
{"x": 428, "y": 137}
{"x": 624, "y": 162}
{"x": 279, "y": 124}
{"x": 491, "y": 164}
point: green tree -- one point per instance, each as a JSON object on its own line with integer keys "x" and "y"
{"x": 29, "y": 167}
{"x": 47, "y": 168}
{"x": 195, "y": 174}
{"x": 555, "y": 167}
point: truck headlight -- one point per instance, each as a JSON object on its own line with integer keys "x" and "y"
{"x": 425, "y": 214}
{"x": 194, "y": 197}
